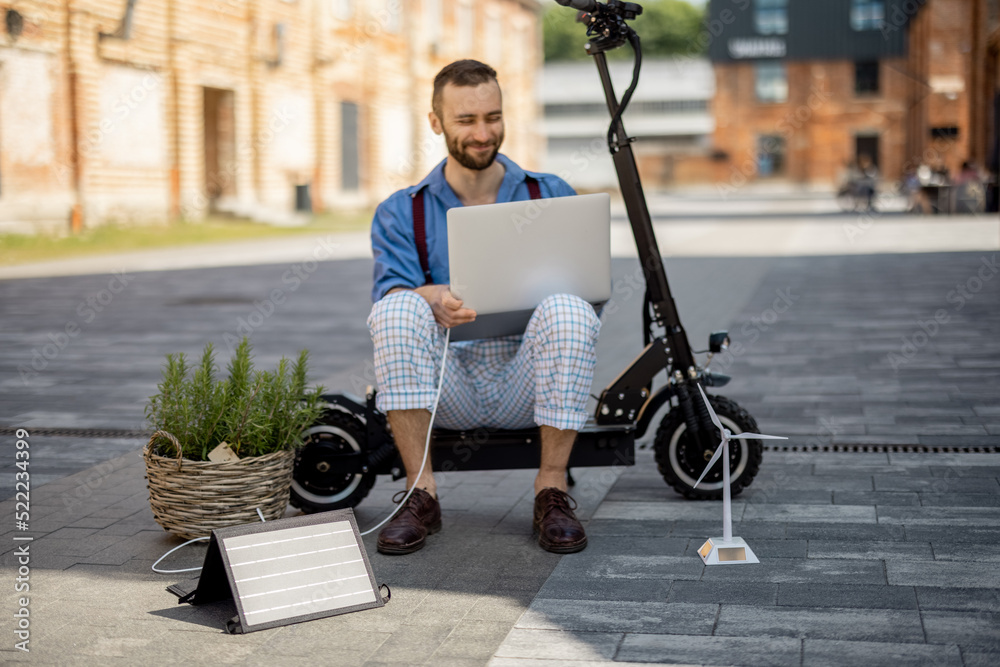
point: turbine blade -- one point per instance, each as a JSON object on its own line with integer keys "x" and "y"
{"x": 757, "y": 436}
{"x": 715, "y": 457}
{"x": 711, "y": 412}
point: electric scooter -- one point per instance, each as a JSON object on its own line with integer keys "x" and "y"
{"x": 351, "y": 444}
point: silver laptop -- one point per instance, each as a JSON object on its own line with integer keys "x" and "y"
{"x": 506, "y": 258}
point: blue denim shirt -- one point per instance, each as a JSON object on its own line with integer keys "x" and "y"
{"x": 397, "y": 263}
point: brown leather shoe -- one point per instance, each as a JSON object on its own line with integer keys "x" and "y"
{"x": 418, "y": 518}
{"x": 556, "y": 525}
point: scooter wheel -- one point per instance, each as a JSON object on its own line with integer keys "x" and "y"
{"x": 681, "y": 458}
{"x": 326, "y": 475}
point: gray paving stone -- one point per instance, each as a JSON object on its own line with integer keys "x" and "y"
{"x": 619, "y": 616}
{"x": 414, "y": 643}
{"x": 474, "y": 640}
{"x": 723, "y": 592}
{"x": 764, "y": 548}
{"x": 660, "y": 511}
{"x": 942, "y": 573}
{"x": 559, "y": 645}
{"x": 959, "y": 500}
{"x": 532, "y": 662}
{"x": 702, "y": 530}
{"x": 976, "y": 553}
{"x": 947, "y": 516}
{"x": 973, "y": 658}
{"x": 681, "y": 649}
{"x": 846, "y": 596}
{"x": 865, "y": 550}
{"x": 805, "y": 571}
{"x": 965, "y": 471}
{"x": 773, "y": 493}
{"x": 937, "y": 484}
{"x": 878, "y": 625}
{"x": 575, "y": 587}
{"x": 953, "y": 534}
{"x": 636, "y": 567}
{"x": 875, "y": 498}
{"x": 636, "y": 545}
{"x": 822, "y": 652}
{"x": 847, "y": 469}
{"x": 808, "y": 514}
{"x": 876, "y": 300}
{"x": 959, "y": 599}
{"x": 847, "y": 531}
{"x": 975, "y": 630}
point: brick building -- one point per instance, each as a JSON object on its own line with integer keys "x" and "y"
{"x": 984, "y": 90}
{"x": 803, "y": 88}
{"x": 135, "y": 110}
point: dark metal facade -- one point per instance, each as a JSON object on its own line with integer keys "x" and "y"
{"x": 816, "y": 30}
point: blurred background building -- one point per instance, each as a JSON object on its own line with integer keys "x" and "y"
{"x": 133, "y": 110}
{"x": 803, "y": 88}
{"x": 153, "y": 110}
{"x": 669, "y": 116}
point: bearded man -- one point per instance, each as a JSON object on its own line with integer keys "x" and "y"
{"x": 542, "y": 377}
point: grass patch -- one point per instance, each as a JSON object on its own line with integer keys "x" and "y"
{"x": 111, "y": 238}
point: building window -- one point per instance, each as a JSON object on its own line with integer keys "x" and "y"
{"x": 866, "y": 78}
{"x": 866, "y": 144}
{"x": 771, "y": 17}
{"x": 867, "y": 14}
{"x": 771, "y": 82}
{"x": 949, "y": 132}
{"x": 350, "y": 162}
{"x": 770, "y": 155}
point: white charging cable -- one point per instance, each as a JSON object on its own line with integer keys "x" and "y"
{"x": 427, "y": 443}
{"x": 181, "y": 546}
{"x": 423, "y": 464}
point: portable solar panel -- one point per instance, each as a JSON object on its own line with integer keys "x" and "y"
{"x": 286, "y": 571}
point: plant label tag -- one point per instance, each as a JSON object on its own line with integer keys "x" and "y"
{"x": 222, "y": 453}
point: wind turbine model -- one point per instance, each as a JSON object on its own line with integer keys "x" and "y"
{"x": 726, "y": 550}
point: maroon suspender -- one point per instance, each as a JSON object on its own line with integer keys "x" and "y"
{"x": 420, "y": 227}
{"x": 533, "y": 188}
{"x": 420, "y": 234}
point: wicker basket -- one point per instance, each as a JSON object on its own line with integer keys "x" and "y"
{"x": 193, "y": 498}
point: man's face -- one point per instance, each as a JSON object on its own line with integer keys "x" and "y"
{"x": 472, "y": 123}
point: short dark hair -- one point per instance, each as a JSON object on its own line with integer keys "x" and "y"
{"x": 461, "y": 73}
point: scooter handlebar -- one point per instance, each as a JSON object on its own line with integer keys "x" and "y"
{"x": 582, "y": 5}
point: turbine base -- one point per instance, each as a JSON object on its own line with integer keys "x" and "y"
{"x": 718, "y": 551}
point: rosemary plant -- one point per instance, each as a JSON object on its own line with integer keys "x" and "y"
{"x": 256, "y": 412}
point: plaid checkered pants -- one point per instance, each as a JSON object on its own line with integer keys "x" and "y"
{"x": 542, "y": 377}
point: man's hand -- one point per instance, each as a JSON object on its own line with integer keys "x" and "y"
{"x": 448, "y": 311}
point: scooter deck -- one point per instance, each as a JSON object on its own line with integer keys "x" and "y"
{"x": 495, "y": 449}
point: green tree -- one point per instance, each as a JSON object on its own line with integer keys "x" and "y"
{"x": 666, "y": 27}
